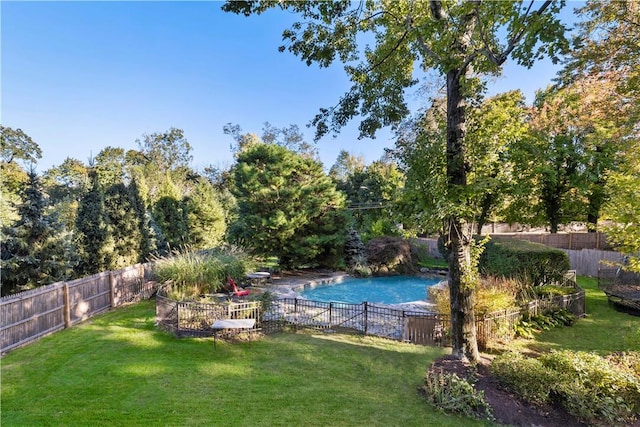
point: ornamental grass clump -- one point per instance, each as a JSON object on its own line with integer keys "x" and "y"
{"x": 493, "y": 294}
{"x": 192, "y": 273}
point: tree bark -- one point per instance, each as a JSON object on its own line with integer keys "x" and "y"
{"x": 487, "y": 203}
{"x": 457, "y": 233}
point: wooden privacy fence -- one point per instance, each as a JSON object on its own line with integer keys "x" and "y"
{"x": 29, "y": 315}
{"x": 575, "y": 241}
{"x": 587, "y": 262}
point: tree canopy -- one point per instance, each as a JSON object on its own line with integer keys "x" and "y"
{"x": 460, "y": 40}
{"x": 287, "y": 207}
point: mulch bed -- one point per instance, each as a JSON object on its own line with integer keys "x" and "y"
{"x": 507, "y": 408}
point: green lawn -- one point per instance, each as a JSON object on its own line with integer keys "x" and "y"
{"x": 604, "y": 330}
{"x": 119, "y": 370}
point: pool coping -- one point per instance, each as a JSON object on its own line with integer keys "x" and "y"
{"x": 290, "y": 286}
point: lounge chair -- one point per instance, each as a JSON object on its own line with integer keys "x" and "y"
{"x": 235, "y": 292}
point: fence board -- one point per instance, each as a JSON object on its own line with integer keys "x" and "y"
{"x": 89, "y": 296}
{"x": 32, "y": 314}
{"x": 424, "y": 330}
{"x": 498, "y": 326}
{"x": 587, "y": 262}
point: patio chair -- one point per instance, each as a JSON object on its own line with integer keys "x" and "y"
{"x": 235, "y": 292}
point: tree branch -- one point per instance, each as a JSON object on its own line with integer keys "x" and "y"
{"x": 518, "y": 36}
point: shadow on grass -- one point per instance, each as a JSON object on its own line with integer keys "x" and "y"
{"x": 117, "y": 369}
{"x": 604, "y": 330}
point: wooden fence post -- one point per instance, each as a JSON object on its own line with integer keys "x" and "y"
{"x": 112, "y": 286}
{"x": 67, "y": 306}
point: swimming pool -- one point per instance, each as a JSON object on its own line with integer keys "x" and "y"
{"x": 381, "y": 290}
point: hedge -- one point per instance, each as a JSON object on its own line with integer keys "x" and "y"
{"x": 524, "y": 260}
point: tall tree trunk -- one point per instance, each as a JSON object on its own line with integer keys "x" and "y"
{"x": 487, "y": 203}
{"x": 596, "y": 199}
{"x": 552, "y": 207}
{"x": 457, "y": 233}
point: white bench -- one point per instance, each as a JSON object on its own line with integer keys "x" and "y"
{"x": 259, "y": 277}
{"x": 221, "y": 324}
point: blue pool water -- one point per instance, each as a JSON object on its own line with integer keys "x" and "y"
{"x": 381, "y": 290}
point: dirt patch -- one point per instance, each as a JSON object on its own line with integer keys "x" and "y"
{"x": 507, "y": 408}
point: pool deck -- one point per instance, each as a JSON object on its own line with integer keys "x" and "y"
{"x": 289, "y": 284}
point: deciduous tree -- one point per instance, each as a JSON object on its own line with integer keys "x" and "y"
{"x": 15, "y": 144}
{"x": 459, "y": 39}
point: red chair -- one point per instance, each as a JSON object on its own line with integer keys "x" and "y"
{"x": 235, "y": 292}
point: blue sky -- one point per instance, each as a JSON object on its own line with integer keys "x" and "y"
{"x": 80, "y": 76}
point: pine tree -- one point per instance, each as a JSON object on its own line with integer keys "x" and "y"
{"x": 288, "y": 207}
{"x": 206, "y": 216}
{"x": 170, "y": 214}
{"x": 93, "y": 234}
{"x": 33, "y": 250}
{"x": 123, "y": 225}
{"x": 151, "y": 239}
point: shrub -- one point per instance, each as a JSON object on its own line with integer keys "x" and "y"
{"x": 586, "y": 385}
{"x": 627, "y": 361}
{"x": 492, "y": 295}
{"x": 455, "y": 395}
{"x": 390, "y": 255}
{"x": 593, "y": 388}
{"x": 528, "y": 325}
{"x": 523, "y": 260}
{"x": 360, "y": 268}
{"x": 548, "y": 291}
{"x": 526, "y": 377}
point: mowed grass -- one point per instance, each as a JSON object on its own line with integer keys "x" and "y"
{"x": 604, "y": 330}
{"x": 119, "y": 370}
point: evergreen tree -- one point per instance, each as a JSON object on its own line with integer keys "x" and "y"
{"x": 33, "y": 250}
{"x": 171, "y": 217}
{"x": 206, "y": 216}
{"x": 151, "y": 239}
{"x": 123, "y": 226}
{"x": 93, "y": 235}
{"x": 170, "y": 214}
{"x": 288, "y": 207}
